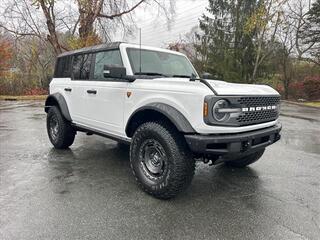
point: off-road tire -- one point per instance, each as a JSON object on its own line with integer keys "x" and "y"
{"x": 179, "y": 164}
{"x": 245, "y": 161}
{"x": 65, "y": 133}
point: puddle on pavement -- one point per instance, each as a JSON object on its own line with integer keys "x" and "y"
{"x": 308, "y": 144}
{"x": 38, "y": 116}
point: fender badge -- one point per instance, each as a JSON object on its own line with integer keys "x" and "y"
{"x": 129, "y": 94}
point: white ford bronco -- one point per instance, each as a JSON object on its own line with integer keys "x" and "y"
{"x": 154, "y": 100}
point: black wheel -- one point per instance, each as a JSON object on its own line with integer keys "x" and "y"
{"x": 60, "y": 132}
{"x": 160, "y": 160}
{"x": 245, "y": 161}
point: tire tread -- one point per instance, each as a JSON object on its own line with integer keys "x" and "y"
{"x": 182, "y": 170}
{"x": 67, "y": 135}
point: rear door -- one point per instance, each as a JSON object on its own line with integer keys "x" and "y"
{"x": 62, "y": 80}
{"x": 81, "y": 66}
{"x": 102, "y": 99}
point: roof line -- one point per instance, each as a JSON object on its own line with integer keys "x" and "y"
{"x": 104, "y": 46}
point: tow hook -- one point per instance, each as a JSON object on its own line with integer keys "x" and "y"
{"x": 246, "y": 145}
{"x": 210, "y": 162}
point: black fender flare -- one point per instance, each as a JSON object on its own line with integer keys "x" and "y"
{"x": 58, "y": 99}
{"x": 175, "y": 116}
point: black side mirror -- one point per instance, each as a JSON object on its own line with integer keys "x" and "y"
{"x": 111, "y": 71}
{"x": 206, "y": 75}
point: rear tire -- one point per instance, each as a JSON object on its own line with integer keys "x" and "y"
{"x": 160, "y": 160}
{"x": 245, "y": 161}
{"x": 60, "y": 131}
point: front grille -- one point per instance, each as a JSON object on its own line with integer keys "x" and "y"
{"x": 259, "y": 101}
{"x": 253, "y": 117}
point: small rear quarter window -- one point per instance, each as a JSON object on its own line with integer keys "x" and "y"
{"x": 63, "y": 67}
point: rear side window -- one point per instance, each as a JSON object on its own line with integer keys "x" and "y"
{"x": 81, "y": 66}
{"x": 63, "y": 67}
{"x": 111, "y": 57}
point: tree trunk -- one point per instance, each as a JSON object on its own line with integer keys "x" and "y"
{"x": 88, "y": 13}
{"x": 286, "y": 78}
{"x": 49, "y": 15}
{"x": 286, "y": 89}
{"x": 253, "y": 78}
{"x": 86, "y": 26}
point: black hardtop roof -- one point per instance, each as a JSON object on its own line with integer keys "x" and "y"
{"x": 104, "y": 46}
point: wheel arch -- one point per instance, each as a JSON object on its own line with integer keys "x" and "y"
{"x": 156, "y": 111}
{"x": 57, "y": 99}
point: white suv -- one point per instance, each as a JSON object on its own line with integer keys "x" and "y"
{"x": 154, "y": 100}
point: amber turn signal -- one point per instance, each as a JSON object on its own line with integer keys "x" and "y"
{"x": 205, "y": 109}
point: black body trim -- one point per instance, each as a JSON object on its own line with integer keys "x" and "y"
{"x": 176, "y": 117}
{"x": 89, "y": 130}
{"x": 236, "y": 144}
{"x": 58, "y": 98}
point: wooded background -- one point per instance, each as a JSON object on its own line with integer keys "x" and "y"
{"x": 274, "y": 42}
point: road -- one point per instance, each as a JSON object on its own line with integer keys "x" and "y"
{"x": 88, "y": 192}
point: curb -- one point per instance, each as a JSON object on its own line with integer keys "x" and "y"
{"x": 23, "y": 98}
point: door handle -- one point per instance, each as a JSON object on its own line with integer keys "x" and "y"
{"x": 68, "y": 89}
{"x": 92, "y": 91}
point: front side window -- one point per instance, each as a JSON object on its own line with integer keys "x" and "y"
{"x": 111, "y": 57}
{"x": 81, "y": 66}
{"x": 157, "y": 62}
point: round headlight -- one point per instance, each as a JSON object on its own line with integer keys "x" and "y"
{"x": 220, "y": 116}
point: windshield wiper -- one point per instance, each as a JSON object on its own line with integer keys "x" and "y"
{"x": 149, "y": 74}
{"x": 181, "y": 76}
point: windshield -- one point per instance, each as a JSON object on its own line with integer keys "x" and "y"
{"x": 159, "y": 63}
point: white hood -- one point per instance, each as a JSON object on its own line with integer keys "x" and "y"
{"x": 226, "y": 88}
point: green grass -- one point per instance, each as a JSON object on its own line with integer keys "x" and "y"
{"x": 20, "y": 98}
{"x": 312, "y": 104}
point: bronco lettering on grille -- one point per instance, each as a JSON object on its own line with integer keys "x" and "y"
{"x": 262, "y": 108}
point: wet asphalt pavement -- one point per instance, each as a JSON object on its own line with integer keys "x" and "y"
{"x": 88, "y": 192}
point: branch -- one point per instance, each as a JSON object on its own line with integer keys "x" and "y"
{"x": 19, "y": 33}
{"x": 98, "y": 8}
{"x": 24, "y": 17}
{"x": 121, "y": 13}
{"x": 75, "y": 26}
{"x": 311, "y": 60}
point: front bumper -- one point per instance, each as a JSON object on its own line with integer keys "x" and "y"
{"x": 229, "y": 145}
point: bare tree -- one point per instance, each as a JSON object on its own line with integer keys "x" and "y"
{"x": 310, "y": 32}
{"x": 47, "y": 19}
{"x": 297, "y": 14}
{"x": 293, "y": 46}
{"x": 264, "y": 23}
{"x": 285, "y": 49}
